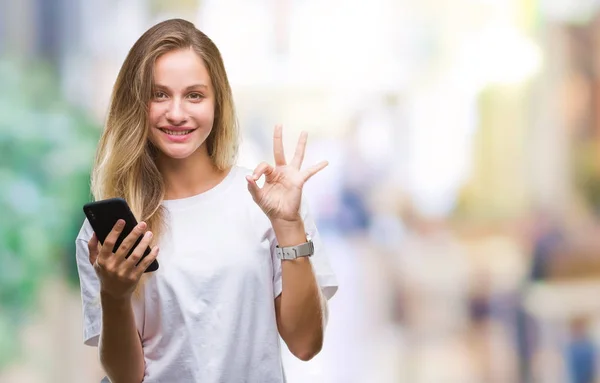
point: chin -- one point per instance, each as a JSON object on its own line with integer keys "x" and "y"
{"x": 178, "y": 154}
{"x": 179, "y": 151}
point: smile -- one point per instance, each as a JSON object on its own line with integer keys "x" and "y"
{"x": 177, "y": 132}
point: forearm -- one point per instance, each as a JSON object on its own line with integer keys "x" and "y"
{"x": 300, "y": 312}
{"x": 120, "y": 347}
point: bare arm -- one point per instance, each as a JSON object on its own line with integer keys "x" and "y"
{"x": 300, "y": 309}
{"x": 120, "y": 347}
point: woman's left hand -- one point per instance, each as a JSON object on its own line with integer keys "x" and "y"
{"x": 281, "y": 193}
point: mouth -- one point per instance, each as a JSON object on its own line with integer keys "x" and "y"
{"x": 177, "y": 132}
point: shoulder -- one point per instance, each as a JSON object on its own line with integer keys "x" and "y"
{"x": 238, "y": 173}
{"x": 240, "y": 200}
{"x": 237, "y": 186}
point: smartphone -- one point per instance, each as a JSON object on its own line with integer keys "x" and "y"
{"x": 104, "y": 214}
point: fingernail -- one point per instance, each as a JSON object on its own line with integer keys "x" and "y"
{"x": 142, "y": 225}
{"x": 120, "y": 223}
{"x": 149, "y": 235}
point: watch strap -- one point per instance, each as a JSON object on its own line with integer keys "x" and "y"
{"x": 292, "y": 252}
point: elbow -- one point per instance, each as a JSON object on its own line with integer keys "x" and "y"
{"x": 305, "y": 351}
{"x": 121, "y": 374}
{"x": 307, "y": 355}
{"x": 124, "y": 378}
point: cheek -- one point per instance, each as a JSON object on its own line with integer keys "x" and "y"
{"x": 154, "y": 113}
{"x": 153, "y": 136}
{"x": 204, "y": 113}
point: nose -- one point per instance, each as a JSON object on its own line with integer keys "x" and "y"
{"x": 176, "y": 114}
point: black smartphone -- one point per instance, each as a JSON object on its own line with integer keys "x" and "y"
{"x": 104, "y": 214}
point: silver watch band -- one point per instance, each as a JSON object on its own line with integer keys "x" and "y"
{"x": 292, "y": 252}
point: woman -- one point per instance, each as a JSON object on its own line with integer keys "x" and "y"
{"x": 215, "y": 308}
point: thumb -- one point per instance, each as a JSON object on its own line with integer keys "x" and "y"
{"x": 93, "y": 248}
{"x": 253, "y": 188}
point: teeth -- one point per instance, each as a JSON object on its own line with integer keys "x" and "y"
{"x": 176, "y": 132}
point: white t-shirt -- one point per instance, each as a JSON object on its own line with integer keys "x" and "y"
{"x": 207, "y": 314}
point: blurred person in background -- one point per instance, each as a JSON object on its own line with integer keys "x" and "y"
{"x": 546, "y": 237}
{"x": 581, "y": 354}
{"x": 237, "y": 269}
{"x": 564, "y": 253}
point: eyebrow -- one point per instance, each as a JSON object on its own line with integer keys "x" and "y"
{"x": 195, "y": 86}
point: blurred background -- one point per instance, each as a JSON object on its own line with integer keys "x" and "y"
{"x": 460, "y": 209}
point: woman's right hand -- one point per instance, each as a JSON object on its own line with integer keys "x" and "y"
{"x": 119, "y": 275}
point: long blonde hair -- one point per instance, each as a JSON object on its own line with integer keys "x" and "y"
{"x": 125, "y": 160}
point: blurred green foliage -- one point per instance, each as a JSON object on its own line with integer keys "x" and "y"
{"x": 46, "y": 151}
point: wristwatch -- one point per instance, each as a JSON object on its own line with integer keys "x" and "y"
{"x": 292, "y": 252}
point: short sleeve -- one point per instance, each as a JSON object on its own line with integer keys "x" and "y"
{"x": 324, "y": 274}
{"x": 90, "y": 288}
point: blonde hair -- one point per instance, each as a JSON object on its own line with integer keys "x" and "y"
{"x": 125, "y": 160}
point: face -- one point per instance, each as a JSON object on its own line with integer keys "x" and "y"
{"x": 182, "y": 108}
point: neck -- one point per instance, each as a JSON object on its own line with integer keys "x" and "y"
{"x": 189, "y": 176}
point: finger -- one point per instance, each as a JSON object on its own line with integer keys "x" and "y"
{"x": 307, "y": 173}
{"x": 139, "y": 251}
{"x": 131, "y": 239}
{"x": 300, "y": 149}
{"x": 141, "y": 268}
{"x": 111, "y": 239}
{"x": 278, "y": 146}
{"x": 253, "y": 188}
{"x": 262, "y": 168}
{"x": 93, "y": 248}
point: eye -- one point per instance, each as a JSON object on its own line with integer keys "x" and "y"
{"x": 159, "y": 95}
{"x": 196, "y": 96}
